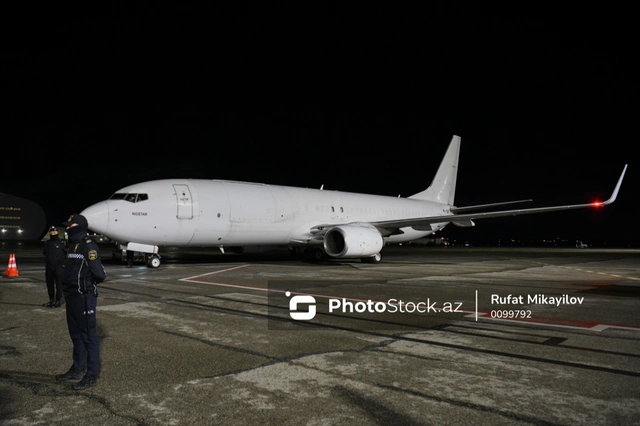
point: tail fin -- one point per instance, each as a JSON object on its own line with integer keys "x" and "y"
{"x": 443, "y": 187}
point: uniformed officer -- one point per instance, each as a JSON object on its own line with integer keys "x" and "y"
{"x": 82, "y": 271}
{"x": 55, "y": 253}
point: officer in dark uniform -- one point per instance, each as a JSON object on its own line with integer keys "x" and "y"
{"x": 55, "y": 253}
{"x": 82, "y": 271}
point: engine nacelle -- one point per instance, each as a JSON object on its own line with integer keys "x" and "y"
{"x": 353, "y": 241}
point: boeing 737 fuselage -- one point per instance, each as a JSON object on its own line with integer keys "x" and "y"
{"x": 241, "y": 216}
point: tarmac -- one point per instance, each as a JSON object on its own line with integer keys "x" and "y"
{"x": 432, "y": 335}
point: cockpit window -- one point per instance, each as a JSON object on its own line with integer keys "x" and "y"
{"x": 132, "y": 198}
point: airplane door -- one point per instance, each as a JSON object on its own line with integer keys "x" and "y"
{"x": 185, "y": 202}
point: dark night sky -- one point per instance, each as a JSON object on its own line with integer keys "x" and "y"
{"x": 356, "y": 100}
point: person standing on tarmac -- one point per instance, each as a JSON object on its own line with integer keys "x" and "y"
{"x": 82, "y": 272}
{"x": 55, "y": 252}
{"x": 130, "y": 254}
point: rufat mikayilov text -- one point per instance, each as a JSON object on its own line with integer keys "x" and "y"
{"x": 393, "y": 306}
{"x": 536, "y": 299}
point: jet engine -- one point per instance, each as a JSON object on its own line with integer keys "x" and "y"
{"x": 353, "y": 241}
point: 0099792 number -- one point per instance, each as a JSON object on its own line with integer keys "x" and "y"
{"x": 504, "y": 313}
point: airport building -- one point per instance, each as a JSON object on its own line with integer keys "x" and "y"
{"x": 20, "y": 219}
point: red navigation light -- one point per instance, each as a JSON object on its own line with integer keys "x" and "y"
{"x": 597, "y": 204}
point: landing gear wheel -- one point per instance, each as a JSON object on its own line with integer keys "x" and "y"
{"x": 294, "y": 252}
{"x": 153, "y": 260}
{"x": 314, "y": 254}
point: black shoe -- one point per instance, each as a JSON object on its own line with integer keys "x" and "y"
{"x": 70, "y": 375}
{"x": 49, "y": 304}
{"x": 56, "y": 304}
{"x": 86, "y": 382}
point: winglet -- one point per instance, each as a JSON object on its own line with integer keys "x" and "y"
{"x": 616, "y": 189}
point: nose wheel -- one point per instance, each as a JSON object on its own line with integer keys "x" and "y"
{"x": 153, "y": 260}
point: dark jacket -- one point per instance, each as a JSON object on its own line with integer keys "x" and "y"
{"x": 55, "y": 251}
{"x": 83, "y": 268}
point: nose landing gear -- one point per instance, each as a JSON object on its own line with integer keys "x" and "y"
{"x": 152, "y": 260}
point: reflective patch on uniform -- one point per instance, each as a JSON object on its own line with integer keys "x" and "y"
{"x": 93, "y": 254}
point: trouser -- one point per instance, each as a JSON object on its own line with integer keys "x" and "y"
{"x": 83, "y": 333}
{"x": 53, "y": 276}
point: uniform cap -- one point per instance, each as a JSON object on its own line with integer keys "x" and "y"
{"x": 53, "y": 228}
{"x": 78, "y": 219}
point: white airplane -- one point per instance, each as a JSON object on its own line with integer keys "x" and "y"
{"x": 242, "y": 217}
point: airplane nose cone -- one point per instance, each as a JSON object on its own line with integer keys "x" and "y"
{"x": 98, "y": 217}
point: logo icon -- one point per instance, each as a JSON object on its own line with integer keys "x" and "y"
{"x": 301, "y": 299}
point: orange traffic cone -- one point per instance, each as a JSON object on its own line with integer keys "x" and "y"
{"x": 12, "y": 270}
